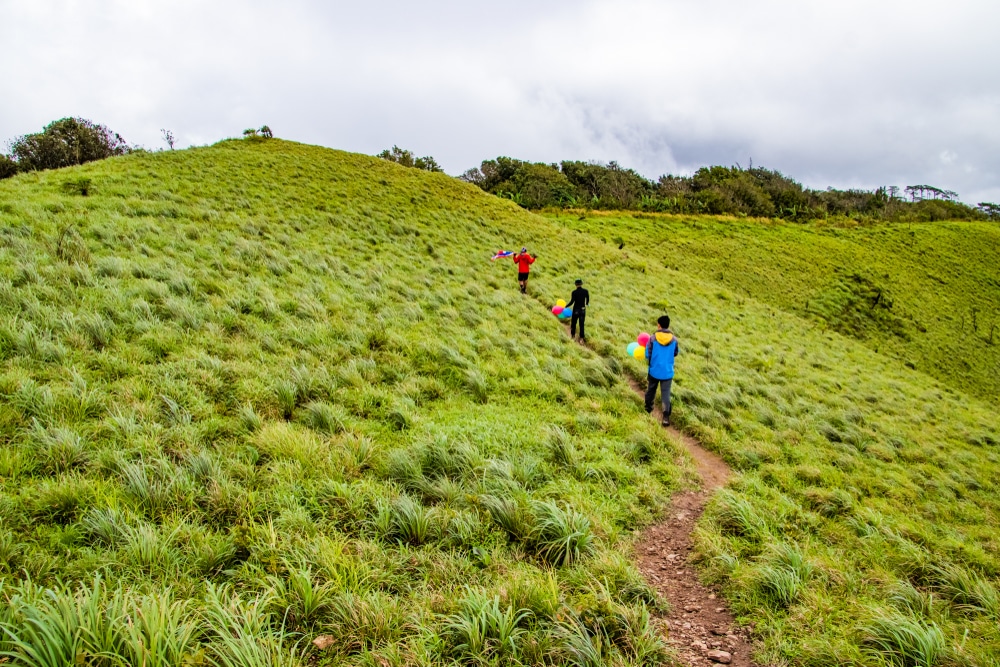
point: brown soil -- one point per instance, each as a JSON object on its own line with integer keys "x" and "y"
{"x": 698, "y": 622}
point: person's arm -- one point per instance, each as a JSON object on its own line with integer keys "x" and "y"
{"x": 649, "y": 350}
{"x": 531, "y": 260}
{"x": 677, "y": 346}
{"x": 572, "y": 299}
{"x": 587, "y": 293}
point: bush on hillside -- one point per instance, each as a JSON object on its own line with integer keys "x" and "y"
{"x": 7, "y": 167}
{"x": 66, "y": 142}
{"x": 264, "y": 133}
{"x": 408, "y": 159}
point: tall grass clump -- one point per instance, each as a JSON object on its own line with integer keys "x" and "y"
{"x": 903, "y": 641}
{"x": 482, "y": 629}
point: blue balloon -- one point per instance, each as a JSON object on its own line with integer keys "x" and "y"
{"x": 631, "y": 348}
{"x": 566, "y": 313}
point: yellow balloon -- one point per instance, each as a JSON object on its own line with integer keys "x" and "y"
{"x": 561, "y": 303}
{"x": 639, "y": 352}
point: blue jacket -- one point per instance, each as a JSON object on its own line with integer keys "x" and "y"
{"x": 660, "y": 352}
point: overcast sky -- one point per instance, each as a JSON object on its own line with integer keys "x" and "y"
{"x": 843, "y": 93}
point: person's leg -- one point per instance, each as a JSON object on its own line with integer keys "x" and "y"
{"x": 665, "y": 386}
{"x": 651, "y": 392}
{"x": 583, "y": 321}
{"x": 574, "y": 318}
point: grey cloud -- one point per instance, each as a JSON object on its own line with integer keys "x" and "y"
{"x": 850, "y": 93}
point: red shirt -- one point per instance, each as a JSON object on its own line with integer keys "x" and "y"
{"x": 524, "y": 262}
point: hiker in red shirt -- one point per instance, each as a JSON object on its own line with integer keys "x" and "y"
{"x": 524, "y": 262}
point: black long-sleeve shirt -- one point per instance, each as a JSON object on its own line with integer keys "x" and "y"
{"x": 580, "y": 297}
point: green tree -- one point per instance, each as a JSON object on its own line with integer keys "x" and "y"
{"x": 989, "y": 209}
{"x": 408, "y": 159}
{"x": 66, "y": 142}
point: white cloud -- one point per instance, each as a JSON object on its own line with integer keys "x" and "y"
{"x": 845, "y": 93}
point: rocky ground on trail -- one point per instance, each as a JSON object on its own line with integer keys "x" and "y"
{"x": 699, "y": 627}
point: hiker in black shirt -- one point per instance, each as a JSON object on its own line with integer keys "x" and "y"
{"x": 578, "y": 302}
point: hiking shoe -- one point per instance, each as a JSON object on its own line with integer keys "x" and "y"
{"x": 665, "y": 422}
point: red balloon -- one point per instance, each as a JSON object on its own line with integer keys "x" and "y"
{"x": 642, "y": 339}
{"x": 556, "y": 310}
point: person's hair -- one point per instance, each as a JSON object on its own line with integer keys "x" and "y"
{"x": 664, "y": 321}
{"x": 578, "y": 282}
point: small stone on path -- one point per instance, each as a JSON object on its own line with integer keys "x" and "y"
{"x": 323, "y": 642}
{"x": 720, "y": 656}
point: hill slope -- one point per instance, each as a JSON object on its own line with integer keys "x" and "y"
{"x": 286, "y": 382}
{"x": 927, "y": 294}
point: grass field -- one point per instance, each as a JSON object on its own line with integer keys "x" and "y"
{"x": 260, "y": 393}
{"x": 927, "y": 294}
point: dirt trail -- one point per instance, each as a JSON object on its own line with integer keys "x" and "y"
{"x": 700, "y": 627}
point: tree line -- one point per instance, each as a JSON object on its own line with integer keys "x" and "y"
{"x": 716, "y": 190}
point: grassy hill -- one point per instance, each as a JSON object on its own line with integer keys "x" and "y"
{"x": 259, "y": 393}
{"x": 927, "y": 294}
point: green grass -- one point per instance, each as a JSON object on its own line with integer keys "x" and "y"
{"x": 927, "y": 294}
{"x": 271, "y": 391}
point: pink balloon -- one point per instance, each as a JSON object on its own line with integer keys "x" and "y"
{"x": 556, "y": 310}
{"x": 642, "y": 339}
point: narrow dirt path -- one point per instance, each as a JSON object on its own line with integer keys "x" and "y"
{"x": 700, "y": 628}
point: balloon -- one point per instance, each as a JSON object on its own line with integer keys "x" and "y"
{"x": 566, "y": 313}
{"x": 556, "y": 309}
{"x": 561, "y": 302}
{"x": 631, "y": 348}
{"x": 639, "y": 352}
{"x": 642, "y": 339}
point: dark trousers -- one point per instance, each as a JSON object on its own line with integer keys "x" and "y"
{"x": 581, "y": 317}
{"x": 664, "y": 395}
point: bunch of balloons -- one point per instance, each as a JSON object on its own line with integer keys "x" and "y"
{"x": 638, "y": 348}
{"x": 561, "y": 311}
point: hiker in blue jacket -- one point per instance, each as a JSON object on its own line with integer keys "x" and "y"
{"x": 660, "y": 352}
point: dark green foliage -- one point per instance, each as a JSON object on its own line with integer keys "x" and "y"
{"x": 64, "y": 143}
{"x": 989, "y": 209}
{"x": 7, "y": 167}
{"x": 753, "y": 192}
{"x": 250, "y": 134}
{"x": 408, "y": 159}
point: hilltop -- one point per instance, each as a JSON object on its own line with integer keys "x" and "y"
{"x": 272, "y": 392}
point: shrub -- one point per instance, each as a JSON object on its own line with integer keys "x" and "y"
{"x": 407, "y": 159}
{"x": 66, "y": 142}
{"x": 8, "y": 167}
